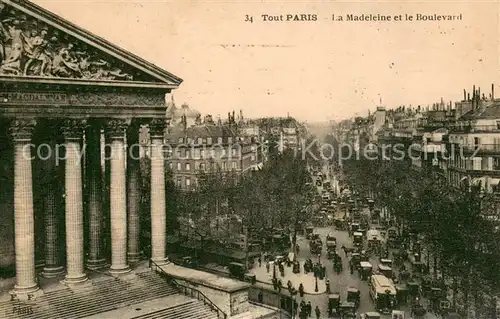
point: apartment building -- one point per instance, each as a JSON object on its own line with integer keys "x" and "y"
{"x": 474, "y": 142}
{"x": 209, "y": 147}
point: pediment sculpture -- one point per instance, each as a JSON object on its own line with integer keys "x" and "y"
{"x": 31, "y": 48}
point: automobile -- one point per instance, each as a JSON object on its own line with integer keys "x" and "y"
{"x": 309, "y": 231}
{"x": 353, "y": 295}
{"x": 397, "y": 314}
{"x": 365, "y": 270}
{"x": 371, "y": 315}
{"x": 358, "y": 239}
{"x": 333, "y": 303}
{"x": 385, "y": 270}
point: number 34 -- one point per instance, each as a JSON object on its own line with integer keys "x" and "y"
{"x": 248, "y": 18}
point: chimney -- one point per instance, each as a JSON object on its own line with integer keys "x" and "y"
{"x": 468, "y": 96}
{"x": 492, "y": 91}
{"x": 232, "y": 119}
{"x": 465, "y": 95}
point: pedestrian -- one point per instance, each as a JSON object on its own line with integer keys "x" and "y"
{"x": 267, "y": 266}
{"x": 318, "y": 312}
{"x": 301, "y": 290}
{"x": 261, "y": 297}
{"x": 260, "y": 261}
{"x": 309, "y": 309}
{"x": 327, "y": 285}
{"x": 352, "y": 268}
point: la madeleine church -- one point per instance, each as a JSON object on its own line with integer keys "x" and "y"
{"x": 61, "y": 87}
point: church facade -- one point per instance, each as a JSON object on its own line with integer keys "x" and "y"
{"x": 62, "y": 88}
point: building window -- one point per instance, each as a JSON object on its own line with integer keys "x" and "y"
{"x": 234, "y": 165}
{"x": 224, "y": 166}
{"x": 178, "y": 153}
{"x": 219, "y": 140}
{"x": 179, "y": 168}
{"x": 204, "y": 141}
{"x": 202, "y": 153}
{"x": 233, "y": 152}
{"x": 188, "y": 181}
{"x": 170, "y": 165}
{"x": 252, "y": 158}
{"x": 200, "y": 140}
{"x": 202, "y": 166}
{"x": 209, "y": 141}
{"x": 179, "y": 182}
{"x": 188, "y": 154}
{"x": 197, "y": 153}
{"x": 188, "y": 167}
{"x": 230, "y": 140}
{"x": 180, "y": 140}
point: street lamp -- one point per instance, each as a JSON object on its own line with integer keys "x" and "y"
{"x": 316, "y": 284}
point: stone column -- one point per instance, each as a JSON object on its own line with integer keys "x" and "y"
{"x": 95, "y": 258}
{"x": 133, "y": 194}
{"x": 73, "y": 131}
{"x": 24, "y": 223}
{"x": 53, "y": 267}
{"x": 118, "y": 197}
{"x": 158, "y": 205}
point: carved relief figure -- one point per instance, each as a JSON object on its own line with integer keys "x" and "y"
{"x": 4, "y": 34}
{"x": 29, "y": 47}
{"x": 65, "y": 64}
{"x": 37, "y": 51}
{"x": 12, "y": 62}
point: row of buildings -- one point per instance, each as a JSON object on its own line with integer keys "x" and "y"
{"x": 460, "y": 140}
{"x": 195, "y": 145}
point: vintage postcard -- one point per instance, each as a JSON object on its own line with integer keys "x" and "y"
{"x": 249, "y": 159}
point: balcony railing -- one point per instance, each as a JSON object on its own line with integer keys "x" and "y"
{"x": 189, "y": 291}
{"x": 474, "y": 128}
{"x": 493, "y": 148}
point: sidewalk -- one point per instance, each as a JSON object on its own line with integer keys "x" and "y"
{"x": 307, "y": 280}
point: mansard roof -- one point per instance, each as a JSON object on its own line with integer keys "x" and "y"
{"x": 486, "y": 110}
{"x": 51, "y": 47}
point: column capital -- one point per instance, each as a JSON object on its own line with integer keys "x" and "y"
{"x": 116, "y": 128}
{"x": 22, "y": 129}
{"x": 73, "y": 128}
{"x": 157, "y": 127}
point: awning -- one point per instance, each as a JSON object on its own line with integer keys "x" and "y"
{"x": 494, "y": 181}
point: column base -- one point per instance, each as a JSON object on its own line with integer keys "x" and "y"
{"x": 161, "y": 261}
{"x": 75, "y": 280}
{"x": 119, "y": 270}
{"x": 52, "y": 271}
{"x": 25, "y": 293}
{"x": 95, "y": 264}
{"x": 133, "y": 257}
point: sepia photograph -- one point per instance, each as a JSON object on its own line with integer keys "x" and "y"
{"x": 246, "y": 159}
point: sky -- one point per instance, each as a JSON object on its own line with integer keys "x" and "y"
{"x": 313, "y": 70}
